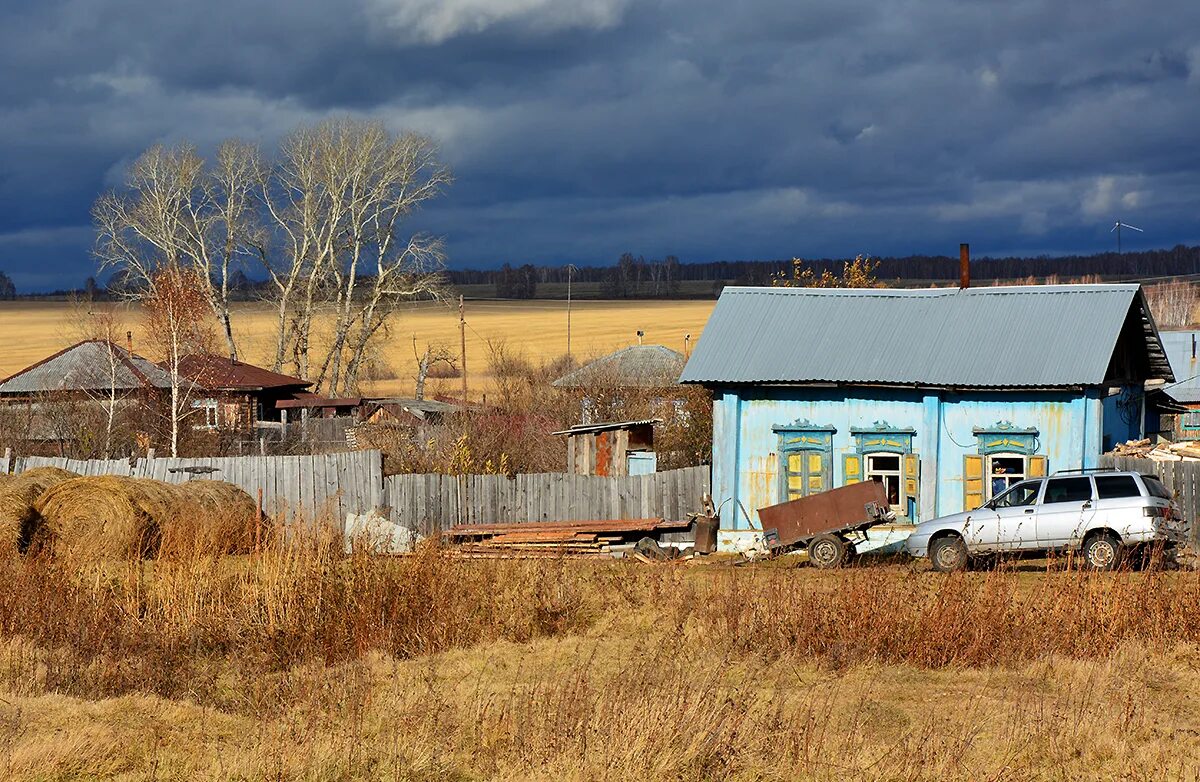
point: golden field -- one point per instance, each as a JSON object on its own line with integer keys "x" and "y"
{"x": 34, "y": 330}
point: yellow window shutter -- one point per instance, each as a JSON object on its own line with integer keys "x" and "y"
{"x": 851, "y": 468}
{"x": 814, "y": 464}
{"x": 912, "y": 475}
{"x": 972, "y": 482}
{"x": 1037, "y": 467}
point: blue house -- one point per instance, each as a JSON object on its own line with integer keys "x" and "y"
{"x": 946, "y": 396}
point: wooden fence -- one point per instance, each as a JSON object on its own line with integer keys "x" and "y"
{"x": 339, "y": 484}
{"x": 336, "y": 484}
{"x": 1182, "y": 478}
{"x": 431, "y": 502}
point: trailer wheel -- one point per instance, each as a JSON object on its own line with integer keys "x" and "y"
{"x": 826, "y": 551}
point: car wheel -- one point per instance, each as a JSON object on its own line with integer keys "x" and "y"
{"x": 826, "y": 551}
{"x": 1102, "y": 552}
{"x": 948, "y": 554}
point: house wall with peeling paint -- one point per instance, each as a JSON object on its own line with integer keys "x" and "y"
{"x": 945, "y": 432}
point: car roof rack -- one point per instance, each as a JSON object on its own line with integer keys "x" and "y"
{"x": 1087, "y": 470}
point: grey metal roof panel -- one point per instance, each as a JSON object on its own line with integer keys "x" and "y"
{"x": 1010, "y": 336}
{"x": 86, "y": 367}
{"x": 1178, "y": 345}
{"x": 645, "y": 366}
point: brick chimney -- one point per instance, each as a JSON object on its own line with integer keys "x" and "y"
{"x": 964, "y": 266}
{"x": 129, "y": 342}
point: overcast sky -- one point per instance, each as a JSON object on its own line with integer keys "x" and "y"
{"x": 581, "y": 129}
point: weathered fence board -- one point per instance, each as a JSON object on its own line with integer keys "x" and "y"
{"x": 333, "y": 484}
{"x": 1182, "y": 478}
{"x": 431, "y": 502}
{"x": 338, "y": 484}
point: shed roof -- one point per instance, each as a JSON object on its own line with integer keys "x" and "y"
{"x": 641, "y": 366}
{"x": 608, "y": 427}
{"x": 85, "y": 366}
{"x": 1023, "y": 336}
{"x": 225, "y": 374}
{"x": 1178, "y": 345}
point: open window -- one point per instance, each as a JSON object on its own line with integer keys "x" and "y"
{"x": 884, "y": 453}
{"x": 1006, "y": 456}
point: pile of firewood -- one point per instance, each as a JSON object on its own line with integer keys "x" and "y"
{"x": 1186, "y": 451}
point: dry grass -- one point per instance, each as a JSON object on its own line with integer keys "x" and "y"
{"x": 298, "y": 663}
{"x": 212, "y": 518}
{"x": 18, "y": 493}
{"x": 37, "y": 329}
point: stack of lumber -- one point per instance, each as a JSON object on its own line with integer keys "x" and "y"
{"x": 1186, "y": 451}
{"x": 554, "y": 538}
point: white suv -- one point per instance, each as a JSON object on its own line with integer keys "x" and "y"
{"x": 1105, "y": 515}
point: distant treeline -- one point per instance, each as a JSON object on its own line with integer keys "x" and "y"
{"x": 638, "y": 277}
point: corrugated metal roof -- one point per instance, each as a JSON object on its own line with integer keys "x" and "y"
{"x": 605, "y": 427}
{"x": 640, "y": 366}
{"x": 221, "y": 372}
{"x": 85, "y": 366}
{"x": 1010, "y": 336}
{"x": 1178, "y": 345}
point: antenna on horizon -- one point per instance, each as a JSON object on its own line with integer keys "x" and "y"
{"x": 1117, "y": 226}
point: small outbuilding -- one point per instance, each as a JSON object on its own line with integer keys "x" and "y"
{"x": 617, "y": 448}
{"x": 946, "y": 396}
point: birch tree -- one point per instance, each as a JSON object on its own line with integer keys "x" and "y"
{"x": 341, "y": 196}
{"x": 178, "y": 211}
{"x": 176, "y": 320}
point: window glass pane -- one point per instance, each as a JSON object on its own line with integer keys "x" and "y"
{"x": 1021, "y": 494}
{"x": 1156, "y": 487}
{"x": 885, "y": 462}
{"x": 1112, "y": 486}
{"x": 1068, "y": 490}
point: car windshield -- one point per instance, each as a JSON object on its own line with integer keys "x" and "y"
{"x": 1022, "y": 494}
{"x": 1156, "y": 487}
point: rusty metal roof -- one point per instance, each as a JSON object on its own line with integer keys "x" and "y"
{"x": 1027, "y": 336}
{"x": 86, "y": 367}
{"x": 222, "y": 373}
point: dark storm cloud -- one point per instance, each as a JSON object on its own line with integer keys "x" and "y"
{"x": 579, "y": 129}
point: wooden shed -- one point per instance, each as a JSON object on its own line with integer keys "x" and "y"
{"x": 617, "y": 448}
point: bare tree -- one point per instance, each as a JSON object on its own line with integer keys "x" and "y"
{"x": 432, "y": 357}
{"x": 327, "y": 220}
{"x": 178, "y": 211}
{"x": 340, "y": 196}
{"x": 100, "y": 324}
{"x": 176, "y": 311}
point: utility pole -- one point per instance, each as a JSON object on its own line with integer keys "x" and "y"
{"x": 462, "y": 336}
{"x": 570, "y": 268}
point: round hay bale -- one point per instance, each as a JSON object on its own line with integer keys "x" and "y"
{"x": 105, "y": 517}
{"x": 212, "y": 517}
{"x": 18, "y": 521}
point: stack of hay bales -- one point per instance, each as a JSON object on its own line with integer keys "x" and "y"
{"x": 18, "y": 493}
{"x": 212, "y": 517}
{"x": 116, "y": 517}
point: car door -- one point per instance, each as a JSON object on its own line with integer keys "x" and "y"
{"x": 1066, "y": 506}
{"x": 1016, "y": 510}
